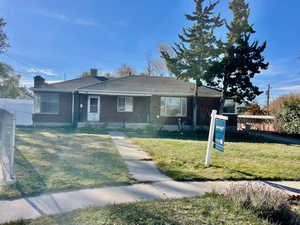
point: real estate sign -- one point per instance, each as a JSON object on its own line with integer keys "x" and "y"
{"x": 219, "y": 136}
{"x": 216, "y": 136}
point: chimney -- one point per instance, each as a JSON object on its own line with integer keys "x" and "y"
{"x": 94, "y": 72}
{"x": 38, "y": 81}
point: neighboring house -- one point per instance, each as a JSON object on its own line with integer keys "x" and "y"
{"x": 131, "y": 102}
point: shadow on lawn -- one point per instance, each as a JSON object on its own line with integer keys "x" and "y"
{"x": 201, "y": 135}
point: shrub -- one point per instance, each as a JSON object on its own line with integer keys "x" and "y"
{"x": 263, "y": 200}
{"x": 287, "y": 112}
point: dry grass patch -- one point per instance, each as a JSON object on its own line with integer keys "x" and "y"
{"x": 63, "y": 159}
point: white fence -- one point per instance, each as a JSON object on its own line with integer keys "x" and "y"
{"x": 23, "y": 110}
{"x": 7, "y": 146}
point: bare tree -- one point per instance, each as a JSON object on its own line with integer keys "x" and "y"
{"x": 155, "y": 66}
{"x": 125, "y": 71}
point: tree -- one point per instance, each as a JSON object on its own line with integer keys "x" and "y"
{"x": 107, "y": 74}
{"x": 167, "y": 49}
{"x": 85, "y": 74}
{"x": 254, "y": 109}
{"x": 288, "y": 116}
{"x": 197, "y": 48}
{"x": 154, "y": 67}
{"x": 241, "y": 61}
{"x": 125, "y": 70}
{"x": 9, "y": 82}
{"x": 3, "y": 38}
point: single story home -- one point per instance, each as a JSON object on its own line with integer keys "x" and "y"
{"x": 125, "y": 102}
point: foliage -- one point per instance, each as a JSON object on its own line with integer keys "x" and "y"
{"x": 125, "y": 71}
{"x": 3, "y": 38}
{"x": 85, "y": 74}
{"x": 266, "y": 202}
{"x": 254, "y": 109}
{"x": 208, "y": 209}
{"x": 60, "y": 159}
{"x": 241, "y": 61}
{"x": 198, "y": 45}
{"x": 288, "y": 114}
{"x": 245, "y": 157}
{"x": 9, "y": 82}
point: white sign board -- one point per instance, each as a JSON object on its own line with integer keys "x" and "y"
{"x": 212, "y": 134}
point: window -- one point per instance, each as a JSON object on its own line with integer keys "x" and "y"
{"x": 171, "y": 106}
{"x": 93, "y": 105}
{"x": 125, "y": 104}
{"x": 46, "y": 103}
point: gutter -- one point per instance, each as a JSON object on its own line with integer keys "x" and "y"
{"x": 130, "y": 93}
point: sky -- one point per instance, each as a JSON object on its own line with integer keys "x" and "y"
{"x": 63, "y": 38}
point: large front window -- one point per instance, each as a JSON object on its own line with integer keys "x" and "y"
{"x": 47, "y": 103}
{"x": 125, "y": 104}
{"x": 173, "y": 106}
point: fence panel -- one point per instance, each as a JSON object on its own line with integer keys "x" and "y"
{"x": 7, "y": 145}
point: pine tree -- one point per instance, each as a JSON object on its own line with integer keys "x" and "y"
{"x": 241, "y": 61}
{"x": 3, "y": 38}
{"x": 198, "y": 47}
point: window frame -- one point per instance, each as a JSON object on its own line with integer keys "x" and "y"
{"x": 125, "y": 102}
{"x": 38, "y": 103}
{"x": 183, "y": 100}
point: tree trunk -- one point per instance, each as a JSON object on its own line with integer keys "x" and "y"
{"x": 221, "y": 106}
{"x": 195, "y": 107}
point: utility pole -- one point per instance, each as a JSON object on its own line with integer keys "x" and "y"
{"x": 64, "y": 76}
{"x": 268, "y": 98}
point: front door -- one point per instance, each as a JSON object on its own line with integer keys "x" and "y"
{"x": 93, "y": 112}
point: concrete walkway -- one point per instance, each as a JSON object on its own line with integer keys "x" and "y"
{"x": 48, "y": 204}
{"x": 139, "y": 163}
{"x": 140, "y": 168}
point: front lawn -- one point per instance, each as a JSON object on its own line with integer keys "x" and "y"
{"x": 50, "y": 160}
{"x": 245, "y": 157}
{"x": 208, "y": 209}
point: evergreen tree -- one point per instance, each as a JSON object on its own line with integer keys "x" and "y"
{"x": 198, "y": 47}
{"x": 9, "y": 82}
{"x": 3, "y": 38}
{"x": 241, "y": 61}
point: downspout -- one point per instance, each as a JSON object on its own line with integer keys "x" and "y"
{"x": 73, "y": 105}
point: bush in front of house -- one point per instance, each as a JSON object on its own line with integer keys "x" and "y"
{"x": 265, "y": 201}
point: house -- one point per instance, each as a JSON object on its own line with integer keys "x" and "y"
{"x": 131, "y": 102}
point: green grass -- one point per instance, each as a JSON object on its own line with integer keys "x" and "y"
{"x": 210, "y": 209}
{"x": 49, "y": 160}
{"x": 245, "y": 157}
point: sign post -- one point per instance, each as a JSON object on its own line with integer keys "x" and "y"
{"x": 216, "y": 136}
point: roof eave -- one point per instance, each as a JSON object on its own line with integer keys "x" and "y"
{"x": 133, "y": 93}
{"x": 51, "y": 90}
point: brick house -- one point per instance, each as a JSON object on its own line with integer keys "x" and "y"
{"x": 131, "y": 102}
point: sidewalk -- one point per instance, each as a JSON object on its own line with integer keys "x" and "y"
{"x": 139, "y": 163}
{"x": 158, "y": 186}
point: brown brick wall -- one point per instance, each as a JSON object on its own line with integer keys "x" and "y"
{"x": 109, "y": 110}
{"x": 205, "y": 107}
{"x": 155, "y": 112}
{"x": 64, "y": 115}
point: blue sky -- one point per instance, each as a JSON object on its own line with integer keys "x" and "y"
{"x": 69, "y": 37}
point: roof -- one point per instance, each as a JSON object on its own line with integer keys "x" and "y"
{"x": 147, "y": 85}
{"x": 133, "y": 85}
{"x": 70, "y": 85}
